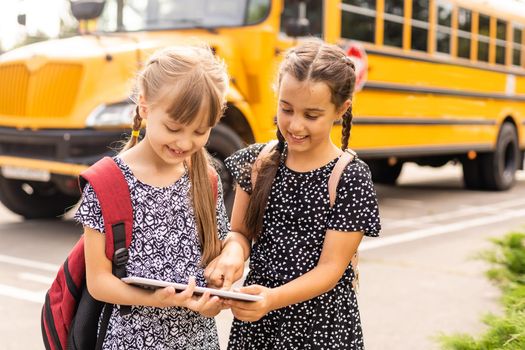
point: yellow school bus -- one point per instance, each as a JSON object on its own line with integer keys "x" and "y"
{"x": 445, "y": 80}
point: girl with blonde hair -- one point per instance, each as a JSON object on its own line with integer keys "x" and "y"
{"x": 178, "y": 222}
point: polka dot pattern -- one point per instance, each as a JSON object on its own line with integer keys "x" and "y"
{"x": 297, "y": 216}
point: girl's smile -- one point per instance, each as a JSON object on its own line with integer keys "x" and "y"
{"x": 297, "y": 139}
{"x": 177, "y": 153}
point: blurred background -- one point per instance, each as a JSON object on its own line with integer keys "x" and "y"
{"x": 439, "y": 117}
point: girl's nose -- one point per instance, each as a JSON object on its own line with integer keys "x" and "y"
{"x": 184, "y": 144}
{"x": 296, "y": 124}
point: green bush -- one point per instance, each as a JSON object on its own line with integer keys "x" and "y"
{"x": 505, "y": 332}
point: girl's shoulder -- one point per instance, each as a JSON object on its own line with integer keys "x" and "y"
{"x": 356, "y": 172}
{"x": 247, "y": 155}
{"x": 240, "y": 165}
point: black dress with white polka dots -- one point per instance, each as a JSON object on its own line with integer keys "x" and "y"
{"x": 295, "y": 222}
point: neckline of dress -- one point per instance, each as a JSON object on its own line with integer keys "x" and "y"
{"x": 163, "y": 188}
{"x": 313, "y": 171}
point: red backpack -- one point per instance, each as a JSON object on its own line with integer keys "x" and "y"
{"x": 70, "y": 315}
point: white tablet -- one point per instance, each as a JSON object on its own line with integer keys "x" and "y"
{"x": 154, "y": 284}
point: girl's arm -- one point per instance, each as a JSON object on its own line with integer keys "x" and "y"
{"x": 338, "y": 250}
{"x": 106, "y": 287}
{"x": 228, "y": 267}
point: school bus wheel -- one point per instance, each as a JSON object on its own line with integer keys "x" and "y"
{"x": 383, "y": 172}
{"x": 222, "y": 143}
{"x": 34, "y": 200}
{"x": 495, "y": 170}
{"x": 501, "y": 165}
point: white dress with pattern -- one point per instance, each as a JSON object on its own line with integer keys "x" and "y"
{"x": 164, "y": 246}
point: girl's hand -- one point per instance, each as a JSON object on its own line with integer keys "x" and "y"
{"x": 251, "y": 311}
{"x": 168, "y": 297}
{"x": 227, "y": 268}
{"x": 205, "y": 305}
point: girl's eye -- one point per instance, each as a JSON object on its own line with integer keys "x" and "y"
{"x": 286, "y": 111}
{"x": 311, "y": 117}
{"x": 200, "y": 133}
{"x": 172, "y": 130}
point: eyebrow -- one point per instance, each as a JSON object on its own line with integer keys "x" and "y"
{"x": 307, "y": 109}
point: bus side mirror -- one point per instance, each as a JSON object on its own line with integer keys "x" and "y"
{"x": 294, "y": 27}
{"x": 21, "y": 19}
{"x": 300, "y": 25}
{"x": 87, "y": 9}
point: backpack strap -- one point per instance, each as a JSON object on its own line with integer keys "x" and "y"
{"x": 214, "y": 179}
{"x": 346, "y": 158}
{"x": 112, "y": 191}
{"x": 257, "y": 164}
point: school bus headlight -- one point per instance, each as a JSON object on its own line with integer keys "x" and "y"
{"x": 116, "y": 114}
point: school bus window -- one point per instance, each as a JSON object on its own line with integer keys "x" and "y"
{"x": 257, "y": 11}
{"x": 358, "y": 20}
{"x": 314, "y": 14}
{"x": 517, "y": 47}
{"x": 443, "y": 29}
{"x": 464, "y": 32}
{"x": 420, "y": 15}
{"x": 483, "y": 38}
{"x": 174, "y": 14}
{"x": 501, "y": 36}
{"x": 393, "y": 35}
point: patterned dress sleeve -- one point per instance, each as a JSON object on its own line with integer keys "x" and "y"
{"x": 223, "y": 224}
{"x": 240, "y": 164}
{"x": 356, "y": 207}
{"x": 89, "y": 213}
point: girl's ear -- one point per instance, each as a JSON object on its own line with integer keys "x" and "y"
{"x": 347, "y": 104}
{"x": 143, "y": 107}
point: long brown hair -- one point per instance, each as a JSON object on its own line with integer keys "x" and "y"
{"x": 317, "y": 62}
{"x": 189, "y": 78}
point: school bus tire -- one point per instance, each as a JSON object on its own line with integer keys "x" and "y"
{"x": 45, "y": 201}
{"x": 384, "y": 173}
{"x": 222, "y": 143}
{"x": 499, "y": 167}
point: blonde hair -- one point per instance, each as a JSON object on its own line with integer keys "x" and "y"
{"x": 188, "y": 79}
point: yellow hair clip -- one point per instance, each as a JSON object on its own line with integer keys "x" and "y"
{"x": 135, "y": 133}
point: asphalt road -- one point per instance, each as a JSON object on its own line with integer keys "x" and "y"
{"x": 419, "y": 279}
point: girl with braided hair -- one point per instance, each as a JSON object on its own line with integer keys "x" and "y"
{"x": 300, "y": 259}
{"x": 177, "y": 222}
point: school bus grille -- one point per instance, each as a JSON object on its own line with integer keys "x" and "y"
{"x": 47, "y": 92}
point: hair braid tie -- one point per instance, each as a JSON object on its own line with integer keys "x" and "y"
{"x": 137, "y": 123}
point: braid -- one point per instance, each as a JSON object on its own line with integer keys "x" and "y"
{"x": 253, "y": 220}
{"x": 280, "y": 145}
{"x": 135, "y": 129}
{"x": 347, "y": 126}
{"x": 137, "y": 123}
